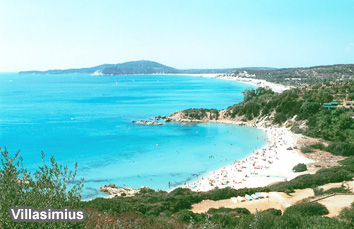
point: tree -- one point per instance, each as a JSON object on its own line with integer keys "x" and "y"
{"x": 47, "y": 187}
{"x": 307, "y": 209}
{"x": 300, "y": 168}
{"x": 310, "y": 107}
{"x": 249, "y": 94}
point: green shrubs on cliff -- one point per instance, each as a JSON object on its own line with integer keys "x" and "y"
{"x": 304, "y": 105}
{"x": 199, "y": 114}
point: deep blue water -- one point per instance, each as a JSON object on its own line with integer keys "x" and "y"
{"x": 87, "y": 119}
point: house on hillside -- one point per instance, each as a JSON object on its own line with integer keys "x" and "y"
{"x": 331, "y": 105}
{"x": 346, "y": 104}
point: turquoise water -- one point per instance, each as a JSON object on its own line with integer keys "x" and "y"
{"x": 87, "y": 119}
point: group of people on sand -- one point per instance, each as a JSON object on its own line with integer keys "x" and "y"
{"x": 240, "y": 171}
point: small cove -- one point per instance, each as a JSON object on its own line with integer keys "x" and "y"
{"x": 88, "y": 119}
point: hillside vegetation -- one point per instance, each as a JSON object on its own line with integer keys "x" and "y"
{"x": 298, "y": 108}
{"x": 304, "y": 75}
{"x": 160, "y": 209}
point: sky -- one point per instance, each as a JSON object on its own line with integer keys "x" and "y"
{"x": 60, "y": 34}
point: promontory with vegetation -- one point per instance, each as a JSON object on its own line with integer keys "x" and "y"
{"x": 305, "y": 109}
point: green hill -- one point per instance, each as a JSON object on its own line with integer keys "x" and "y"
{"x": 302, "y": 75}
{"x": 136, "y": 67}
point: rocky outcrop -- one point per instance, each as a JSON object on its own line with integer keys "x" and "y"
{"x": 145, "y": 122}
{"x": 113, "y": 190}
{"x": 222, "y": 117}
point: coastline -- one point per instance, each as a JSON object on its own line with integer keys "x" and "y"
{"x": 272, "y": 163}
{"x": 254, "y": 82}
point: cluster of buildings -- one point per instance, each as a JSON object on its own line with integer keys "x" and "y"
{"x": 243, "y": 74}
{"x": 346, "y": 104}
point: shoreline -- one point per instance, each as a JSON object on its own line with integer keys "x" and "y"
{"x": 252, "y": 81}
{"x": 272, "y": 163}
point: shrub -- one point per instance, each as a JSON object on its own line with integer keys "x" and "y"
{"x": 47, "y": 187}
{"x": 306, "y": 149}
{"x": 145, "y": 190}
{"x": 300, "y": 168}
{"x": 307, "y": 209}
{"x": 273, "y": 211}
{"x": 237, "y": 211}
{"x": 187, "y": 216}
{"x": 319, "y": 146}
{"x": 224, "y": 221}
{"x": 296, "y": 129}
{"x": 348, "y": 213}
{"x": 318, "y": 191}
{"x": 341, "y": 148}
{"x": 337, "y": 190}
{"x": 181, "y": 191}
{"x": 263, "y": 220}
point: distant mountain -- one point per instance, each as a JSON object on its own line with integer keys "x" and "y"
{"x": 132, "y": 67}
{"x": 136, "y": 67}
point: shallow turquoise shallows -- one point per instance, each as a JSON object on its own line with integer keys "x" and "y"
{"x": 88, "y": 119}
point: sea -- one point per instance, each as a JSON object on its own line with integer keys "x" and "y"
{"x": 88, "y": 119}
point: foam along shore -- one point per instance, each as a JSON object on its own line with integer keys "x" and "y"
{"x": 255, "y": 82}
{"x": 270, "y": 164}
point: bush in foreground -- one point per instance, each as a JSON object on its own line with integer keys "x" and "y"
{"x": 273, "y": 211}
{"x": 348, "y": 214}
{"x": 307, "y": 209}
{"x": 230, "y": 211}
{"x": 47, "y": 187}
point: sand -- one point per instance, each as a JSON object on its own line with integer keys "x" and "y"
{"x": 335, "y": 204}
{"x": 255, "y": 82}
{"x": 258, "y": 82}
{"x": 281, "y": 201}
{"x": 277, "y": 200}
{"x": 270, "y": 164}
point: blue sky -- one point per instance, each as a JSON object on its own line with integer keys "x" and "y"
{"x": 42, "y": 34}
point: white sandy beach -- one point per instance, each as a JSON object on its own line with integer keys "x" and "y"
{"x": 272, "y": 163}
{"x": 255, "y": 82}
